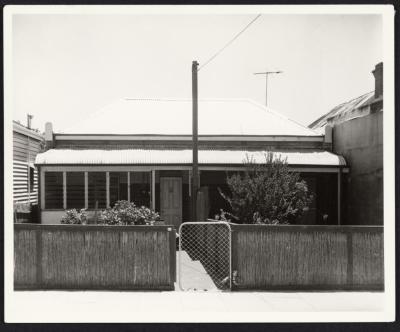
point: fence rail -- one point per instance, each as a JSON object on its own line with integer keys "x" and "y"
{"x": 94, "y": 257}
{"x": 284, "y": 257}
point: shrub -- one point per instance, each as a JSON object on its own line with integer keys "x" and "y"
{"x": 74, "y": 217}
{"x": 109, "y": 217}
{"x": 22, "y": 207}
{"x": 127, "y": 213}
{"x": 267, "y": 193}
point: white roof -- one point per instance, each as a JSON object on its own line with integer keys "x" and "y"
{"x": 131, "y": 116}
{"x": 163, "y": 157}
{"x": 20, "y": 128}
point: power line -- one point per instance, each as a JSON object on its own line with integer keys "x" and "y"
{"x": 230, "y": 42}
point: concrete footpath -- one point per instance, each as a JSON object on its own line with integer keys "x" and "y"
{"x": 191, "y": 306}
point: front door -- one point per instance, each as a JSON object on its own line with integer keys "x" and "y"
{"x": 171, "y": 200}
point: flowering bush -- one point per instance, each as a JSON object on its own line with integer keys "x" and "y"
{"x": 74, "y": 217}
{"x": 127, "y": 213}
{"x": 268, "y": 193}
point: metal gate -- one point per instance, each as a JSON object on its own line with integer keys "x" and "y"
{"x": 205, "y": 256}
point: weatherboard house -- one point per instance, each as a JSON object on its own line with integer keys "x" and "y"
{"x": 27, "y": 143}
{"x": 141, "y": 150}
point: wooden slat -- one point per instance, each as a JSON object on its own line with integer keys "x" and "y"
{"x": 25, "y": 201}
{"x": 23, "y": 185}
{"x": 24, "y": 146}
{"x": 24, "y": 151}
{"x": 20, "y": 169}
{"x": 23, "y": 180}
{"x": 23, "y": 190}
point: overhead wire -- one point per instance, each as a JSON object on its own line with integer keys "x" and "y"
{"x": 230, "y": 42}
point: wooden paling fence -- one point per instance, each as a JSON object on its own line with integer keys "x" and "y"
{"x": 280, "y": 257}
{"x": 94, "y": 257}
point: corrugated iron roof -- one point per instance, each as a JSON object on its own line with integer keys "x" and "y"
{"x": 164, "y": 157}
{"x": 343, "y": 110}
{"x": 130, "y": 116}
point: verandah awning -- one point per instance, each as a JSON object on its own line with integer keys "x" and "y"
{"x": 180, "y": 157}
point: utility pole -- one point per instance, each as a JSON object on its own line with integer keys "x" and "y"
{"x": 266, "y": 73}
{"x": 195, "y": 165}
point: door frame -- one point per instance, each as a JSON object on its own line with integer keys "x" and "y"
{"x": 181, "y": 191}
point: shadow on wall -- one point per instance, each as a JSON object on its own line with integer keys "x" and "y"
{"x": 360, "y": 141}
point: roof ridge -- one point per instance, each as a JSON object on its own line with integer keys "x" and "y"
{"x": 280, "y": 115}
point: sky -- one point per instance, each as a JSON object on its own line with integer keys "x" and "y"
{"x": 67, "y": 66}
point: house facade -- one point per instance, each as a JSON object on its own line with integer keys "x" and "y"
{"x": 141, "y": 150}
{"x": 27, "y": 143}
{"x": 357, "y": 134}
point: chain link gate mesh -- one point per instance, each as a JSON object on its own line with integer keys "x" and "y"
{"x": 204, "y": 260}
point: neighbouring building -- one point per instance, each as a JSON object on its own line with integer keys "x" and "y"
{"x": 140, "y": 150}
{"x": 27, "y": 143}
{"x": 357, "y": 128}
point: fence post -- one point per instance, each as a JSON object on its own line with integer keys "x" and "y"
{"x": 233, "y": 253}
{"x": 172, "y": 253}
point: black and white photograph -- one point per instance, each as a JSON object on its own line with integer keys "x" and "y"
{"x": 199, "y": 163}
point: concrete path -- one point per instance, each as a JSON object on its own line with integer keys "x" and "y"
{"x": 193, "y": 275}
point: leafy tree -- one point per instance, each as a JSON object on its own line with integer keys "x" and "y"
{"x": 268, "y": 193}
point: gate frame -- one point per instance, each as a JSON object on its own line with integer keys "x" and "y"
{"x": 180, "y": 247}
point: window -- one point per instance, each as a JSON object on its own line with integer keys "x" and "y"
{"x": 31, "y": 178}
{"x": 97, "y": 189}
{"x": 54, "y": 190}
{"x": 75, "y": 190}
{"x": 118, "y": 187}
{"x": 140, "y": 188}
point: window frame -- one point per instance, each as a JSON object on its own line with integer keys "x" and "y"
{"x": 67, "y": 206}
{"x": 86, "y": 170}
{"x": 45, "y": 202}
{"x": 106, "y": 189}
{"x": 31, "y": 178}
